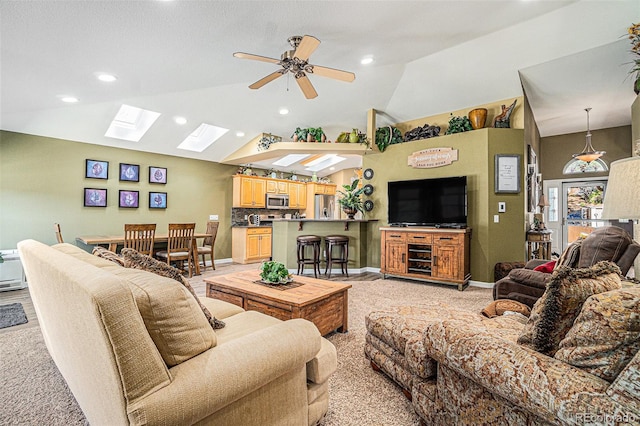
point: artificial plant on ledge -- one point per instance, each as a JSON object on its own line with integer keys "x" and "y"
{"x": 351, "y": 201}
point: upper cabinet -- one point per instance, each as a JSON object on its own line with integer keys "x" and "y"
{"x": 275, "y": 186}
{"x": 249, "y": 191}
{"x": 297, "y": 195}
{"x": 322, "y": 188}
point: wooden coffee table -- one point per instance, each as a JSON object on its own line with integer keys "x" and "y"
{"x": 325, "y": 303}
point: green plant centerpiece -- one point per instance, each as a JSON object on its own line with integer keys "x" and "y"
{"x": 274, "y": 273}
{"x": 351, "y": 200}
{"x": 458, "y": 125}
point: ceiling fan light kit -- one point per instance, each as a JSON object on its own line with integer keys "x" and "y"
{"x": 296, "y": 62}
{"x": 588, "y": 153}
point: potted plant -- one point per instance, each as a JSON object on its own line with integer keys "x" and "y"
{"x": 351, "y": 200}
{"x": 458, "y": 125}
{"x": 634, "y": 36}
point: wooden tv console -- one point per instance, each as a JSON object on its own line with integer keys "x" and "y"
{"x": 429, "y": 254}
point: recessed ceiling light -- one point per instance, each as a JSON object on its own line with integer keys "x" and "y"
{"x": 180, "y": 120}
{"x": 284, "y": 111}
{"x": 366, "y": 60}
{"x": 332, "y": 168}
{"x": 107, "y": 78}
{"x": 239, "y": 134}
{"x": 69, "y": 99}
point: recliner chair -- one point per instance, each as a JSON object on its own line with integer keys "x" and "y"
{"x": 611, "y": 243}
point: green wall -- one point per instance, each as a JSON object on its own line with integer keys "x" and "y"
{"x": 490, "y": 242}
{"x": 42, "y": 181}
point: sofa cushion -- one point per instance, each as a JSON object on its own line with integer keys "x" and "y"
{"x": 80, "y": 254}
{"x": 606, "y": 334}
{"x": 607, "y": 243}
{"x": 107, "y": 254}
{"x": 530, "y": 277}
{"x": 553, "y": 314}
{"x": 171, "y": 315}
{"x": 136, "y": 260}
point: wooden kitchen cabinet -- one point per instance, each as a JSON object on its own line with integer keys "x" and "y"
{"x": 322, "y": 188}
{"x": 275, "y": 186}
{"x": 250, "y": 245}
{"x": 428, "y": 254}
{"x": 297, "y": 195}
{"x": 249, "y": 191}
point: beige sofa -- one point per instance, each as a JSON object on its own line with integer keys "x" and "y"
{"x": 96, "y": 320}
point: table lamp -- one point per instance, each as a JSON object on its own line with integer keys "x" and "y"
{"x": 622, "y": 196}
{"x": 539, "y": 217}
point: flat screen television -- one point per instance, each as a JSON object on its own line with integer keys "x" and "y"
{"x": 440, "y": 202}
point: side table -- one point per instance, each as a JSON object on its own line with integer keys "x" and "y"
{"x": 539, "y": 244}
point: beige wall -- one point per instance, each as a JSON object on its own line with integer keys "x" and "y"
{"x": 556, "y": 151}
{"x": 42, "y": 181}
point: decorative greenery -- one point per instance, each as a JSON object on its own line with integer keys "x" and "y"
{"x": 458, "y": 125}
{"x": 274, "y": 272}
{"x": 634, "y": 36}
{"x": 354, "y": 136}
{"x": 386, "y": 136}
{"x": 317, "y": 133}
{"x": 302, "y": 134}
{"x": 265, "y": 142}
{"x": 352, "y": 197}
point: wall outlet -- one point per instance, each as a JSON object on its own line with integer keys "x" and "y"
{"x": 246, "y": 217}
{"x": 502, "y": 207}
{"x": 213, "y": 217}
{"x": 496, "y": 218}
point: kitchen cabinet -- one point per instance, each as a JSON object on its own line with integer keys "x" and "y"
{"x": 297, "y": 195}
{"x": 322, "y": 188}
{"x": 251, "y": 244}
{"x": 249, "y": 191}
{"x": 428, "y": 254}
{"x": 276, "y": 186}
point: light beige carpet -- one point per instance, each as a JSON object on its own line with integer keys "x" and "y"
{"x": 33, "y": 392}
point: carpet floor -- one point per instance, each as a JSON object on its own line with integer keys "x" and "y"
{"x": 33, "y": 392}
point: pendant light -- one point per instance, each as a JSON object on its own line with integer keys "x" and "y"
{"x": 588, "y": 153}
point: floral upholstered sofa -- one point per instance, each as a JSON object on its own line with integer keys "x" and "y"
{"x": 574, "y": 361}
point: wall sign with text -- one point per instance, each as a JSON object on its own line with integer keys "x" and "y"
{"x": 432, "y": 157}
{"x": 507, "y": 174}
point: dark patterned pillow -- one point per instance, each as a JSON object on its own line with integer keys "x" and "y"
{"x": 554, "y": 313}
{"x": 134, "y": 259}
{"x": 606, "y": 334}
{"x": 108, "y": 254}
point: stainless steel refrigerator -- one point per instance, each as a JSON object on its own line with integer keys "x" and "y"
{"x": 325, "y": 206}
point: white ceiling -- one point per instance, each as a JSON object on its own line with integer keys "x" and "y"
{"x": 175, "y": 58}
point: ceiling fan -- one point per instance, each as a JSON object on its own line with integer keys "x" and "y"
{"x": 296, "y": 62}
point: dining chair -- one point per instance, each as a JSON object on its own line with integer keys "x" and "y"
{"x": 207, "y": 245}
{"x": 180, "y": 246}
{"x": 56, "y": 228}
{"x": 140, "y": 237}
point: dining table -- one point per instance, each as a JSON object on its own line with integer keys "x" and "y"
{"x": 114, "y": 240}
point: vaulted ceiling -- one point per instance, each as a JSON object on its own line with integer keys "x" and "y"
{"x": 430, "y": 57}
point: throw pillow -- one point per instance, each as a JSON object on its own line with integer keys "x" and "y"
{"x": 547, "y": 268}
{"x": 554, "y": 313}
{"x": 570, "y": 255}
{"x": 107, "y": 254}
{"x": 606, "y": 334}
{"x": 500, "y": 306}
{"x": 136, "y": 260}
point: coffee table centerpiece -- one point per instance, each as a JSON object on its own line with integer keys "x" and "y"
{"x": 274, "y": 273}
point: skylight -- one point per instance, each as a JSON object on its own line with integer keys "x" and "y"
{"x": 131, "y": 123}
{"x": 202, "y": 137}
{"x": 324, "y": 162}
{"x": 288, "y": 160}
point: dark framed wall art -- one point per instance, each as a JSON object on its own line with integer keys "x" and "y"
{"x": 507, "y": 174}
{"x": 157, "y": 200}
{"x": 129, "y": 172}
{"x": 157, "y": 175}
{"x": 95, "y": 169}
{"x": 95, "y": 197}
{"x": 128, "y": 199}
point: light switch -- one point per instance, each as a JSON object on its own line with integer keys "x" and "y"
{"x": 502, "y": 207}
{"x": 496, "y": 218}
{"x": 213, "y": 217}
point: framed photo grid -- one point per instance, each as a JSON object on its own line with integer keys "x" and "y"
{"x": 95, "y": 169}
{"x": 157, "y": 200}
{"x": 128, "y": 199}
{"x": 157, "y": 175}
{"x": 95, "y": 197}
{"x": 129, "y": 172}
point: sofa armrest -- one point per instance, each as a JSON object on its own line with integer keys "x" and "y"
{"x": 530, "y": 277}
{"x": 540, "y": 384}
{"x": 534, "y": 263}
{"x": 212, "y": 380}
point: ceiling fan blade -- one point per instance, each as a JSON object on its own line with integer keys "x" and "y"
{"x": 242, "y": 55}
{"x": 306, "y": 86}
{"x": 258, "y": 84}
{"x": 306, "y": 47}
{"x": 332, "y": 73}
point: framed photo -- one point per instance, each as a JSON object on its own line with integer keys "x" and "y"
{"x": 507, "y": 174}
{"x": 157, "y": 200}
{"x": 130, "y": 172}
{"x": 95, "y": 169}
{"x": 128, "y": 199}
{"x": 94, "y": 197}
{"x": 157, "y": 175}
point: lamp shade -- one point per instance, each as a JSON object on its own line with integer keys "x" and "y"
{"x": 543, "y": 202}
{"x": 622, "y": 197}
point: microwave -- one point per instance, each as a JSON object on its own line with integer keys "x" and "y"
{"x": 277, "y": 201}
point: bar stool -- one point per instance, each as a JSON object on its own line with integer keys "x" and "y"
{"x": 308, "y": 241}
{"x": 341, "y": 242}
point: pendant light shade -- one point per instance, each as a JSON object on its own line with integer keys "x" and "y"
{"x": 588, "y": 153}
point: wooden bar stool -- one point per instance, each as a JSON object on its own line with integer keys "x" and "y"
{"x": 304, "y": 241}
{"x": 342, "y": 243}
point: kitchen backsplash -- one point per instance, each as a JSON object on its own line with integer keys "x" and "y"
{"x": 238, "y": 215}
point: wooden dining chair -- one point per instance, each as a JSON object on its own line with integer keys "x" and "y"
{"x": 180, "y": 246}
{"x": 207, "y": 245}
{"x": 56, "y": 228}
{"x": 140, "y": 237}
